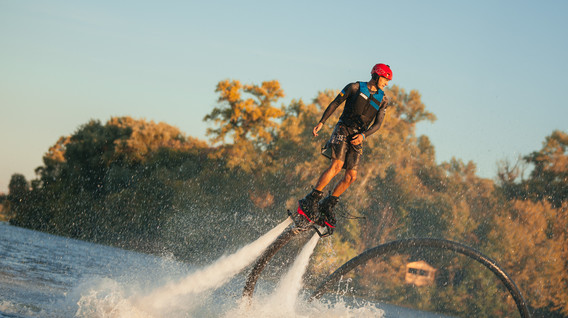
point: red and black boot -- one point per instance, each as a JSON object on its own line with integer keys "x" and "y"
{"x": 327, "y": 217}
{"x": 308, "y": 211}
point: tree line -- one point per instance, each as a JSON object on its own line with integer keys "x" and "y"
{"x": 147, "y": 186}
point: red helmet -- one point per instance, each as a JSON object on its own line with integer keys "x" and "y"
{"x": 382, "y": 70}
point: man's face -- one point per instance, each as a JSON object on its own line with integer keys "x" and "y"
{"x": 383, "y": 82}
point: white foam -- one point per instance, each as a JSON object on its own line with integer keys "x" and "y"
{"x": 290, "y": 285}
{"x": 107, "y": 298}
{"x": 286, "y": 300}
{"x": 191, "y": 296}
{"x": 213, "y": 276}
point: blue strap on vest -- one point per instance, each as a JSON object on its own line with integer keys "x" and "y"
{"x": 378, "y": 96}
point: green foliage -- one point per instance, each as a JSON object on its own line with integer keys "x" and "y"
{"x": 17, "y": 202}
{"x": 146, "y": 186}
{"x": 548, "y": 179}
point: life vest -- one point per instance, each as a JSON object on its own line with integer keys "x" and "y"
{"x": 360, "y": 110}
{"x": 374, "y": 99}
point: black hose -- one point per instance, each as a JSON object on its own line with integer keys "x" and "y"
{"x": 282, "y": 240}
{"x": 425, "y": 242}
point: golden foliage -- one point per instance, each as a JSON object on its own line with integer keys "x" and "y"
{"x": 533, "y": 237}
{"x": 56, "y": 153}
{"x": 147, "y": 137}
{"x": 250, "y": 119}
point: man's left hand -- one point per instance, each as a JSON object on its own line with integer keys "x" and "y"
{"x": 358, "y": 139}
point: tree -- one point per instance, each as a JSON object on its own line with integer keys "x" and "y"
{"x": 548, "y": 179}
{"x": 18, "y": 187}
{"x": 531, "y": 230}
{"x": 250, "y": 122}
{"x": 103, "y": 183}
{"x": 531, "y": 240}
{"x": 143, "y": 138}
{"x": 18, "y": 200}
{"x": 5, "y": 215}
{"x": 248, "y": 119}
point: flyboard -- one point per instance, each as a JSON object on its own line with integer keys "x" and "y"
{"x": 299, "y": 225}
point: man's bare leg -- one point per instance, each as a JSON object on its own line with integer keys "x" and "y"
{"x": 334, "y": 168}
{"x": 348, "y": 179}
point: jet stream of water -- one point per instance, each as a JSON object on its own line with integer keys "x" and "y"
{"x": 214, "y": 275}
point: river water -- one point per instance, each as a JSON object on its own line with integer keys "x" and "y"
{"x": 42, "y": 275}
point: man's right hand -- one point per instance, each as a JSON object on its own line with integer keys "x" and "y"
{"x": 317, "y": 128}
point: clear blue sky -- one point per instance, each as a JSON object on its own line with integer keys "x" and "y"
{"x": 493, "y": 72}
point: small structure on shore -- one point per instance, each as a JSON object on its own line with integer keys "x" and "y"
{"x": 420, "y": 273}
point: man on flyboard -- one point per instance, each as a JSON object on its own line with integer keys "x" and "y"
{"x": 363, "y": 114}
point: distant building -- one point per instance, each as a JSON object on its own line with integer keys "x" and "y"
{"x": 420, "y": 273}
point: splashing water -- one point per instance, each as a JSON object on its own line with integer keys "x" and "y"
{"x": 285, "y": 300}
{"x": 106, "y": 299}
{"x": 287, "y": 291}
{"x": 282, "y": 301}
{"x": 192, "y": 295}
{"x": 216, "y": 274}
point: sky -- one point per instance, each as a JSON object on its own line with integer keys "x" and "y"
{"x": 493, "y": 72}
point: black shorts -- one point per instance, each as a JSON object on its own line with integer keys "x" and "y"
{"x": 340, "y": 147}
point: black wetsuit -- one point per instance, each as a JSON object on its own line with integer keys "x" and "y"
{"x": 363, "y": 114}
{"x": 359, "y": 111}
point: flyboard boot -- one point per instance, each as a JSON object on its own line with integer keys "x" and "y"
{"x": 307, "y": 212}
{"x": 327, "y": 217}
